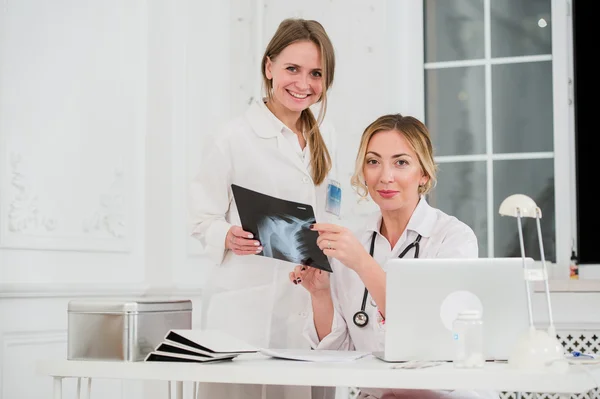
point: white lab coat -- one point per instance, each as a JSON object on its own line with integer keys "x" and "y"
{"x": 251, "y": 297}
{"x": 443, "y": 236}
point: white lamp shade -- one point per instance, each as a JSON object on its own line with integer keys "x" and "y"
{"x": 520, "y": 202}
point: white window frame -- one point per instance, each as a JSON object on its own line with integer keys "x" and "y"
{"x": 409, "y": 63}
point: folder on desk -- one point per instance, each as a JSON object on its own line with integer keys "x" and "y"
{"x": 198, "y": 346}
{"x": 158, "y": 356}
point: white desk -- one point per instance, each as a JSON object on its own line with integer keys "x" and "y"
{"x": 366, "y": 372}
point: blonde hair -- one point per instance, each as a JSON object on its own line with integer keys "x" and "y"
{"x": 294, "y": 30}
{"x": 415, "y": 132}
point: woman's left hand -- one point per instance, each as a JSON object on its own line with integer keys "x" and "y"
{"x": 339, "y": 243}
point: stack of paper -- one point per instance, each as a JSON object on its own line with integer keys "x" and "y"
{"x": 211, "y": 345}
{"x": 198, "y": 346}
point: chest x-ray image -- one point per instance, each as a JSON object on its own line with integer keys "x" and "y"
{"x": 282, "y": 227}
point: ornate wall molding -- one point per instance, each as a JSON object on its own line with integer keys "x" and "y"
{"x": 27, "y": 225}
{"x": 24, "y": 214}
{"x": 109, "y": 218}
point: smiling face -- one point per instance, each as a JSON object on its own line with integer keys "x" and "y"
{"x": 392, "y": 171}
{"x": 296, "y": 76}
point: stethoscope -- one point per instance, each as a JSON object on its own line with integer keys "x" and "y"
{"x": 361, "y": 318}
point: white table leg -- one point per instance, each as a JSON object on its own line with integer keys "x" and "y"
{"x": 179, "y": 390}
{"x": 57, "y": 387}
{"x": 88, "y": 393}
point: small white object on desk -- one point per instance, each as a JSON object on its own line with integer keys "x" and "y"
{"x": 310, "y": 355}
{"x": 536, "y": 350}
{"x": 468, "y": 339}
{"x": 416, "y": 364}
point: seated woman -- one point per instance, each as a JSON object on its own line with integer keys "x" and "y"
{"x": 395, "y": 167}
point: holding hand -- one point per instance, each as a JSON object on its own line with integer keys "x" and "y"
{"x": 314, "y": 280}
{"x": 240, "y": 242}
{"x": 339, "y": 243}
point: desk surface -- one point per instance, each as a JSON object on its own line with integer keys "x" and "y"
{"x": 365, "y": 372}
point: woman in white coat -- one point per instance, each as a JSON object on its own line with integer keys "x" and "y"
{"x": 277, "y": 148}
{"x": 395, "y": 167}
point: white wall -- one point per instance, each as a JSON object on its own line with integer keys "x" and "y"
{"x": 104, "y": 107}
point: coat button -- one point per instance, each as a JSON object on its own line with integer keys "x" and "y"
{"x": 305, "y": 179}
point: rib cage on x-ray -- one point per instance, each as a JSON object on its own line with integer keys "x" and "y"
{"x": 281, "y": 237}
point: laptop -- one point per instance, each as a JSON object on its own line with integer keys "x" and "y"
{"x": 424, "y": 296}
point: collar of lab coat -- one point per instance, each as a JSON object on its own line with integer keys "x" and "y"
{"x": 266, "y": 125}
{"x": 263, "y": 122}
{"x": 421, "y": 222}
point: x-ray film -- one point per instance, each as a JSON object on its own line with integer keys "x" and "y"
{"x": 282, "y": 227}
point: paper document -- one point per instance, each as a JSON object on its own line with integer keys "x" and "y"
{"x": 282, "y": 227}
{"x": 309, "y": 355}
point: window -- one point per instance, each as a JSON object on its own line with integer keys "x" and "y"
{"x": 496, "y": 103}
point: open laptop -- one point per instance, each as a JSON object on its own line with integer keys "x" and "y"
{"x": 424, "y": 296}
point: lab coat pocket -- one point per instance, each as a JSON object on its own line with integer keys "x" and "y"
{"x": 244, "y": 313}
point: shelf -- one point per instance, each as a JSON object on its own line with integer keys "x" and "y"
{"x": 566, "y": 285}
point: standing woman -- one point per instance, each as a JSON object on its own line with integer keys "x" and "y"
{"x": 279, "y": 148}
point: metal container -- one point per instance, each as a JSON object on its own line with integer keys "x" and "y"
{"x": 122, "y": 330}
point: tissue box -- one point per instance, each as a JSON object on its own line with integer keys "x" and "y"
{"x": 122, "y": 330}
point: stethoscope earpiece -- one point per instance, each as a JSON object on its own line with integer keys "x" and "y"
{"x": 361, "y": 318}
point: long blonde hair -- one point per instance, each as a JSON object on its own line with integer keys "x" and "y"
{"x": 294, "y": 30}
{"x": 415, "y": 132}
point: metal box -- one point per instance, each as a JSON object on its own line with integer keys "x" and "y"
{"x": 122, "y": 330}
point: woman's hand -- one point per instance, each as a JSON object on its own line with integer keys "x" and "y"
{"x": 240, "y": 242}
{"x": 314, "y": 280}
{"x": 339, "y": 243}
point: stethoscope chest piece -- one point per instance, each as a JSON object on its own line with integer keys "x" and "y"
{"x": 361, "y": 318}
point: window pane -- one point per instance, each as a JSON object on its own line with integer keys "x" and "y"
{"x": 453, "y": 30}
{"x": 520, "y": 28}
{"x": 460, "y": 192}
{"x": 522, "y": 107}
{"x": 534, "y": 178}
{"x": 455, "y": 110}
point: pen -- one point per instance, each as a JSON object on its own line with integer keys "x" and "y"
{"x": 581, "y": 354}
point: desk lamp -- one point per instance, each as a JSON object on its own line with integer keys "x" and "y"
{"x": 535, "y": 349}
